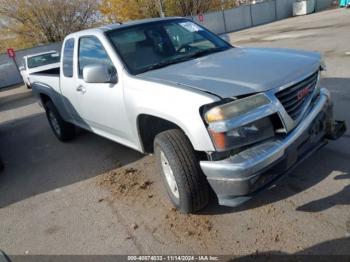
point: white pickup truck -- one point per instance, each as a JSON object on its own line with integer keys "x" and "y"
{"x": 39, "y": 62}
{"x": 218, "y": 117}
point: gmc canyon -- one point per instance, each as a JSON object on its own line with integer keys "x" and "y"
{"x": 217, "y": 117}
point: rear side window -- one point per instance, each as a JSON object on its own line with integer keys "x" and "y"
{"x": 68, "y": 52}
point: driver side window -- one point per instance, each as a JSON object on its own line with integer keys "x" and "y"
{"x": 91, "y": 52}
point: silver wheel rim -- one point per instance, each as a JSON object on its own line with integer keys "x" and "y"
{"x": 54, "y": 123}
{"x": 169, "y": 175}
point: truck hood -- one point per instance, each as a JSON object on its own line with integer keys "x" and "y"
{"x": 239, "y": 71}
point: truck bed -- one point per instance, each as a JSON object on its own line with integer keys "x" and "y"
{"x": 46, "y": 79}
{"x": 51, "y": 71}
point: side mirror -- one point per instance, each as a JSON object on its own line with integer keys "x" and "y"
{"x": 21, "y": 68}
{"x": 100, "y": 74}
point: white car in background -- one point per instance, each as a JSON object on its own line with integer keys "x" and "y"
{"x": 38, "y": 63}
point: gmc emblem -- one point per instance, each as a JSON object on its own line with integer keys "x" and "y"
{"x": 302, "y": 93}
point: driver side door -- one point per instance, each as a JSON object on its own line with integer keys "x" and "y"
{"x": 101, "y": 104}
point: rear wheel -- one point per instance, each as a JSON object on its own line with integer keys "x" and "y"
{"x": 184, "y": 180}
{"x": 63, "y": 130}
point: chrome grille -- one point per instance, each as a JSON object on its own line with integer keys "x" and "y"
{"x": 295, "y": 97}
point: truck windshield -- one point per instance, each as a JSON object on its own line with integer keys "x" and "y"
{"x": 154, "y": 45}
{"x": 44, "y": 59}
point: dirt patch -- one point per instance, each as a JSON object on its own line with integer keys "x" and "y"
{"x": 190, "y": 226}
{"x": 126, "y": 182}
{"x": 133, "y": 187}
{"x": 137, "y": 195}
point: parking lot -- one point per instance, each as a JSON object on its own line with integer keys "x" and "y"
{"x": 93, "y": 196}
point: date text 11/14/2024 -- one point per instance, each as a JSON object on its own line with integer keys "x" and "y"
{"x": 173, "y": 258}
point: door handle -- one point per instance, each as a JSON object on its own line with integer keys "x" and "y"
{"x": 81, "y": 89}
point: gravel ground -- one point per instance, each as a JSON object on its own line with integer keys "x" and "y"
{"x": 93, "y": 196}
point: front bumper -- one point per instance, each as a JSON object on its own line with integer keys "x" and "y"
{"x": 237, "y": 178}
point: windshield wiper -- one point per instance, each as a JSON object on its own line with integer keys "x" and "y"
{"x": 166, "y": 63}
{"x": 207, "y": 51}
{"x": 185, "y": 58}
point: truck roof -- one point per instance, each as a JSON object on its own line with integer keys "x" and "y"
{"x": 106, "y": 28}
{"x": 110, "y": 27}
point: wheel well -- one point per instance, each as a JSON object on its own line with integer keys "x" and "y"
{"x": 150, "y": 126}
{"x": 44, "y": 98}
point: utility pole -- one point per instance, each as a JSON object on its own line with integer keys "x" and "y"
{"x": 223, "y": 15}
{"x": 161, "y": 8}
{"x": 223, "y": 5}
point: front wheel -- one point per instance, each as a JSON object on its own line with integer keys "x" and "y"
{"x": 184, "y": 180}
{"x": 63, "y": 130}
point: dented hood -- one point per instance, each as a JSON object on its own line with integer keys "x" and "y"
{"x": 239, "y": 71}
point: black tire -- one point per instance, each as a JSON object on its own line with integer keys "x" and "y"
{"x": 27, "y": 86}
{"x": 192, "y": 185}
{"x": 63, "y": 130}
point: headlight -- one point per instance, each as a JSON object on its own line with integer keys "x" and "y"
{"x": 249, "y": 134}
{"x": 235, "y": 108}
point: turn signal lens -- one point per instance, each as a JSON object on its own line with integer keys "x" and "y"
{"x": 219, "y": 140}
{"x": 249, "y": 134}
